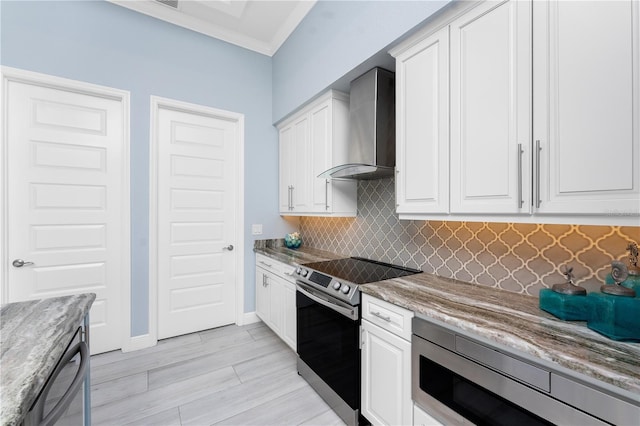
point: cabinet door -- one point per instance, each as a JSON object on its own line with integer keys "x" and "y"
{"x": 422, "y": 111}
{"x": 289, "y": 312}
{"x": 386, "y": 377}
{"x": 285, "y": 170}
{"x": 276, "y": 295}
{"x": 587, "y": 107}
{"x": 491, "y": 109}
{"x": 320, "y": 145}
{"x": 299, "y": 164}
{"x": 263, "y": 302}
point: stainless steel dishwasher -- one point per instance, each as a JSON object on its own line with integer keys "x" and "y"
{"x": 459, "y": 379}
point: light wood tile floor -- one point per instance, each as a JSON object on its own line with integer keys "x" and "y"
{"x": 225, "y": 376}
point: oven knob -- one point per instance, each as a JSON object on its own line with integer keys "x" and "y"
{"x": 298, "y": 270}
{"x": 336, "y": 285}
{"x": 305, "y": 272}
{"x": 345, "y": 289}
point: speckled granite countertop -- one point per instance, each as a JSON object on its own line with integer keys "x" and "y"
{"x": 33, "y": 337}
{"x": 515, "y": 322}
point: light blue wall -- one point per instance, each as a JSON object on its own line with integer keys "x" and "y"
{"x": 105, "y": 44}
{"x": 101, "y": 43}
{"x": 333, "y": 39}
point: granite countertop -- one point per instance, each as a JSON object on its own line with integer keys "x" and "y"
{"x": 298, "y": 256}
{"x": 515, "y": 322}
{"x": 33, "y": 338}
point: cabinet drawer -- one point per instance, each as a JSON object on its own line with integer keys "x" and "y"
{"x": 393, "y": 318}
{"x": 269, "y": 264}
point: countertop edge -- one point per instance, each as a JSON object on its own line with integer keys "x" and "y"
{"x": 34, "y": 335}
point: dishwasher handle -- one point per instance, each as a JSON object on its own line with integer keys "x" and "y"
{"x": 59, "y": 409}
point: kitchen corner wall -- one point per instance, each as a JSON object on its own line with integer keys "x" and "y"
{"x": 521, "y": 258}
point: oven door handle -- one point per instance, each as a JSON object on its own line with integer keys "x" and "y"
{"x": 348, "y": 311}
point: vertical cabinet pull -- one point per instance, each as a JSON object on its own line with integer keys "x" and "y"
{"x": 326, "y": 194}
{"x": 290, "y": 188}
{"x": 519, "y": 163}
{"x": 538, "y": 148}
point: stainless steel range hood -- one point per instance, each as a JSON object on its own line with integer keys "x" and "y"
{"x": 372, "y": 122}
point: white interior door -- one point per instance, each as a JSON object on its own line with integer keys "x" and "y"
{"x": 66, "y": 178}
{"x": 196, "y": 221}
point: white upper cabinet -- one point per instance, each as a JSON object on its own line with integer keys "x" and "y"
{"x": 422, "y": 126}
{"x": 587, "y": 107}
{"x": 313, "y": 140}
{"x": 491, "y": 109}
{"x": 294, "y": 166}
{"x": 543, "y": 107}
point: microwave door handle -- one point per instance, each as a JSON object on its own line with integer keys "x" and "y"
{"x": 62, "y": 405}
{"x": 350, "y": 312}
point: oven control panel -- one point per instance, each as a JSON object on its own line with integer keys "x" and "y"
{"x": 330, "y": 285}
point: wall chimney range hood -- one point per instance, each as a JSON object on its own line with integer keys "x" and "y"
{"x": 372, "y": 128}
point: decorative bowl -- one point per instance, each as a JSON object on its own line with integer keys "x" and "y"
{"x": 292, "y": 240}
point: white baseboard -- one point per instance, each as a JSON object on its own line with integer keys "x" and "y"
{"x": 248, "y": 318}
{"x": 135, "y": 343}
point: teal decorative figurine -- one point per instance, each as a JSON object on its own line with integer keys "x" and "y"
{"x": 566, "y": 301}
{"x": 615, "y": 310}
{"x": 633, "y": 280}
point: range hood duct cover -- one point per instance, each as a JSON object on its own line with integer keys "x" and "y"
{"x": 372, "y": 128}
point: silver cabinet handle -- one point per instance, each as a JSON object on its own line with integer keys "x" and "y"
{"x": 382, "y": 317}
{"x": 520, "y": 152}
{"x": 19, "y": 263}
{"x": 229, "y": 247}
{"x": 326, "y": 194}
{"x": 266, "y": 264}
{"x": 290, "y": 197}
{"x": 538, "y": 149}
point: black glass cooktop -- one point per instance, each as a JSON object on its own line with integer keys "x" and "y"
{"x": 359, "y": 270}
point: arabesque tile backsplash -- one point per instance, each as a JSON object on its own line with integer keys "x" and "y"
{"x": 517, "y": 257}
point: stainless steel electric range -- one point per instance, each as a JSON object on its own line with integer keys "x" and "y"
{"x": 328, "y": 327}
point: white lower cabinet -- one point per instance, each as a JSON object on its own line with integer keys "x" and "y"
{"x": 422, "y": 418}
{"x": 276, "y": 298}
{"x": 386, "y": 363}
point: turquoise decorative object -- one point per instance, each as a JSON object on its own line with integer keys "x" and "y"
{"x": 615, "y": 316}
{"x": 632, "y": 281}
{"x": 568, "y": 307}
{"x": 566, "y": 301}
{"x": 293, "y": 240}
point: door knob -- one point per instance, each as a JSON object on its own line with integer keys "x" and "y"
{"x": 229, "y": 247}
{"x": 19, "y": 263}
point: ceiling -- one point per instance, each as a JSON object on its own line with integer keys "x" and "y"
{"x": 258, "y": 25}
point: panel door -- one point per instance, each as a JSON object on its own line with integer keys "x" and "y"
{"x": 491, "y": 109}
{"x": 263, "y": 302}
{"x": 196, "y": 222}
{"x": 320, "y": 155}
{"x": 587, "y": 107}
{"x": 276, "y": 303}
{"x": 289, "y": 311}
{"x": 285, "y": 168}
{"x": 422, "y": 150}
{"x": 65, "y": 183}
{"x": 301, "y": 179}
{"x": 386, "y": 377}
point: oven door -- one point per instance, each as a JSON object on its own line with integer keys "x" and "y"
{"x": 328, "y": 333}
